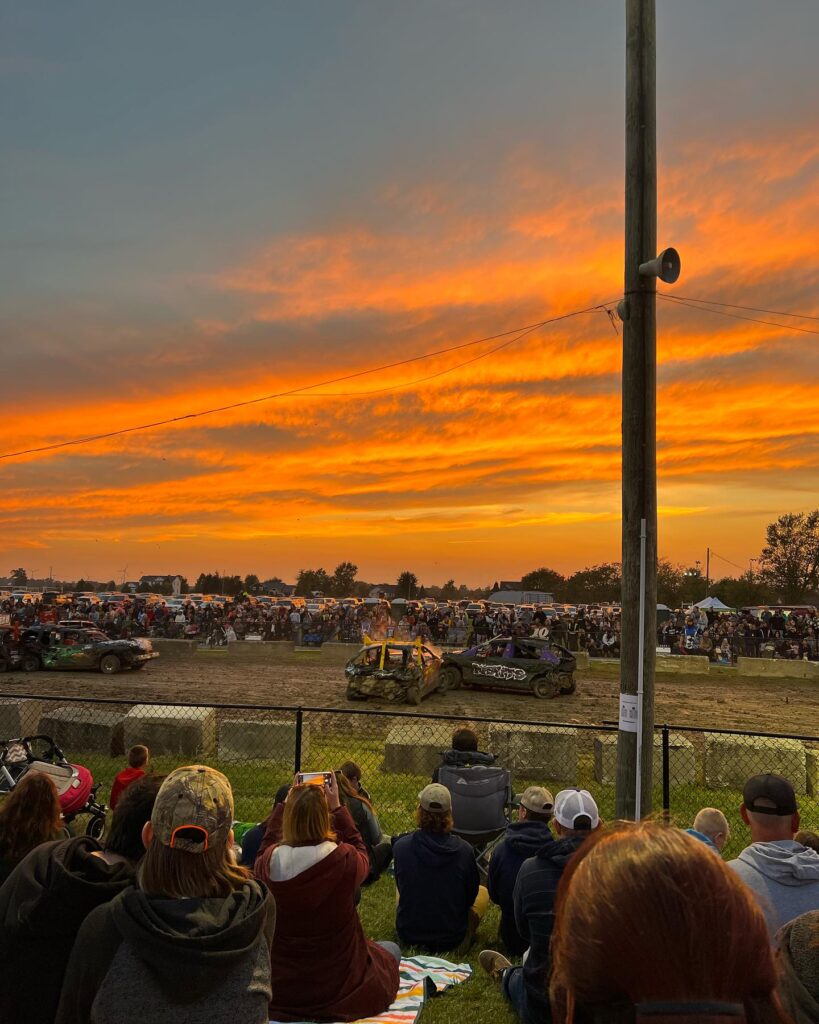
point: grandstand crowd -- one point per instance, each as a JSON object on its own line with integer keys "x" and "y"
{"x": 720, "y": 636}
{"x": 185, "y": 915}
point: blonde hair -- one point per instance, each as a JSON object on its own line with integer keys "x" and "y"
{"x": 306, "y": 820}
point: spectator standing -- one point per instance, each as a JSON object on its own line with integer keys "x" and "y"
{"x": 30, "y": 815}
{"x": 440, "y": 898}
{"x": 191, "y": 941}
{"x": 576, "y": 817}
{"x": 137, "y": 767}
{"x": 48, "y": 896}
{"x": 711, "y": 827}
{"x": 783, "y": 874}
{"x": 314, "y": 861}
{"x": 524, "y": 838}
{"x": 650, "y": 926}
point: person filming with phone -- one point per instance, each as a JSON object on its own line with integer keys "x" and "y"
{"x": 313, "y": 860}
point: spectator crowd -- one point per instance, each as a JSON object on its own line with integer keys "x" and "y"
{"x": 722, "y": 637}
{"x": 186, "y": 915}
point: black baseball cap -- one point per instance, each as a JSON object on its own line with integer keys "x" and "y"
{"x": 769, "y": 794}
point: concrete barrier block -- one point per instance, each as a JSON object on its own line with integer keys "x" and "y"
{"x": 550, "y": 752}
{"x": 168, "y": 729}
{"x": 337, "y": 653}
{"x": 414, "y": 748}
{"x": 83, "y": 727}
{"x": 687, "y": 664}
{"x": 682, "y": 759}
{"x": 172, "y": 649}
{"x": 267, "y": 740}
{"x": 19, "y": 718}
{"x": 778, "y": 668}
{"x": 266, "y": 652}
{"x": 582, "y": 660}
{"x": 731, "y": 760}
{"x": 812, "y": 770}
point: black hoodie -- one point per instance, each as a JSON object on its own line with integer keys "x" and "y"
{"x": 143, "y": 958}
{"x": 523, "y": 839}
{"x": 437, "y": 881}
{"x": 535, "y": 894}
{"x": 43, "y": 902}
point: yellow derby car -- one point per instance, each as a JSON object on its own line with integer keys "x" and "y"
{"x": 394, "y": 670}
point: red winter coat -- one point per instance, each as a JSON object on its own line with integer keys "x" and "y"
{"x": 122, "y": 782}
{"x": 323, "y": 968}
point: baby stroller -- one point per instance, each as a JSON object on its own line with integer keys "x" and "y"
{"x": 75, "y": 784}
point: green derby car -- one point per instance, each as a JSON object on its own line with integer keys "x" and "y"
{"x": 529, "y": 664}
{"x": 73, "y": 649}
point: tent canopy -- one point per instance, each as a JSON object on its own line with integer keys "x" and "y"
{"x": 713, "y": 604}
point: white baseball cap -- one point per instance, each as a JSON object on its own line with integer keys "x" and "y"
{"x": 576, "y": 809}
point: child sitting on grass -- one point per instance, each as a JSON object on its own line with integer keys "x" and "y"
{"x": 137, "y": 767}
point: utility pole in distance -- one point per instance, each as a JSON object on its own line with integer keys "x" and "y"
{"x": 638, "y": 312}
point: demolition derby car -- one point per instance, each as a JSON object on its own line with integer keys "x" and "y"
{"x": 393, "y": 670}
{"x": 512, "y": 663}
{"x": 72, "y": 649}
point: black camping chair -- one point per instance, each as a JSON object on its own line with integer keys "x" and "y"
{"x": 481, "y": 807}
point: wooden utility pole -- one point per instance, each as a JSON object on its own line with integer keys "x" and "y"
{"x": 639, "y": 410}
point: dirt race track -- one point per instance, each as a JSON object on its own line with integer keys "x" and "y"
{"x": 724, "y": 700}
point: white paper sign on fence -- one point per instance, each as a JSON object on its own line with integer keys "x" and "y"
{"x": 628, "y": 712}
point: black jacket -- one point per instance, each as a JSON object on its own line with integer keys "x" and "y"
{"x": 523, "y": 839}
{"x": 437, "y": 881}
{"x": 463, "y": 759}
{"x": 535, "y": 893}
{"x": 140, "y": 956}
{"x": 42, "y": 905}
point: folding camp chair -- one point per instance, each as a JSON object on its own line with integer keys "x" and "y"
{"x": 481, "y": 804}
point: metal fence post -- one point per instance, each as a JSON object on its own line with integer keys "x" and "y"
{"x": 297, "y": 752}
{"x": 666, "y": 775}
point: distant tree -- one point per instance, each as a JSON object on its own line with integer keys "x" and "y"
{"x": 252, "y": 584}
{"x": 274, "y": 583}
{"x": 748, "y": 589}
{"x": 671, "y": 584}
{"x": 208, "y": 583}
{"x": 82, "y": 584}
{"x": 343, "y": 579}
{"x": 310, "y": 580}
{"x": 361, "y": 589}
{"x": 546, "y": 580}
{"x": 407, "y": 585}
{"x": 449, "y": 591}
{"x": 789, "y": 562}
{"x": 595, "y": 583}
{"x": 18, "y": 577}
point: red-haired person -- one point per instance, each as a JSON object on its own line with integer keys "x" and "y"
{"x": 314, "y": 862}
{"x": 29, "y": 815}
{"x": 652, "y": 928}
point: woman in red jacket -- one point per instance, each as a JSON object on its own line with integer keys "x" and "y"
{"x": 314, "y": 861}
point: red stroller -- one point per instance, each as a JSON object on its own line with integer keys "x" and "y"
{"x": 75, "y": 784}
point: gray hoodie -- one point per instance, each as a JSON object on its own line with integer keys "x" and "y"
{"x": 784, "y": 877}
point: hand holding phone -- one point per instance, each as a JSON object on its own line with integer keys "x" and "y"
{"x": 313, "y": 778}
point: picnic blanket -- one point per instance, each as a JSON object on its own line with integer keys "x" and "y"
{"x": 420, "y": 978}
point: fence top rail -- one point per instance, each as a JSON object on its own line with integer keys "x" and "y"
{"x": 377, "y": 713}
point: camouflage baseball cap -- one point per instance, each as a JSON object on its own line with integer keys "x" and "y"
{"x": 196, "y": 798}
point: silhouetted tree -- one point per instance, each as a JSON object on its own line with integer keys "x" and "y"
{"x": 789, "y": 562}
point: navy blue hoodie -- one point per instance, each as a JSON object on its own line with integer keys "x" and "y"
{"x": 437, "y": 881}
{"x": 535, "y": 893}
{"x": 523, "y": 839}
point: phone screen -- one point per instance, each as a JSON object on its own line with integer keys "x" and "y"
{"x": 313, "y": 778}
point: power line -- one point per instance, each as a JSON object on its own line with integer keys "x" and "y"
{"x": 733, "y": 305}
{"x": 727, "y": 560}
{"x": 736, "y": 316}
{"x": 519, "y": 331}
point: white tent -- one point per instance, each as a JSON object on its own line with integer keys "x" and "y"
{"x": 713, "y": 604}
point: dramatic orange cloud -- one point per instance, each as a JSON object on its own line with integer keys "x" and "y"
{"x": 479, "y": 471}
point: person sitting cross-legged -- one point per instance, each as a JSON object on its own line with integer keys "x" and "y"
{"x": 575, "y": 818}
{"x": 523, "y": 839}
{"x": 440, "y": 898}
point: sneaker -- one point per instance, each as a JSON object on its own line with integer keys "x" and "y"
{"x": 493, "y": 963}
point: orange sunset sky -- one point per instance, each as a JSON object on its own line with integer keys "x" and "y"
{"x": 205, "y": 207}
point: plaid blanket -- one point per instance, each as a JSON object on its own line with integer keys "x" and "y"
{"x": 420, "y": 978}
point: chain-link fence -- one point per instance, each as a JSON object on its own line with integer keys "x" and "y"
{"x": 260, "y": 747}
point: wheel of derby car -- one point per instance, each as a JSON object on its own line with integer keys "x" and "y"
{"x": 449, "y": 678}
{"x": 543, "y": 686}
{"x": 110, "y": 664}
{"x": 566, "y": 683}
{"x": 29, "y": 663}
{"x": 95, "y": 827}
{"x": 414, "y": 694}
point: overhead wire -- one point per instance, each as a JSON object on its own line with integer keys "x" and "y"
{"x": 734, "y": 305}
{"x": 728, "y": 561}
{"x": 735, "y": 316}
{"x": 300, "y": 391}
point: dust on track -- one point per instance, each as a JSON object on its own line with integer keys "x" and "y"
{"x": 726, "y": 700}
